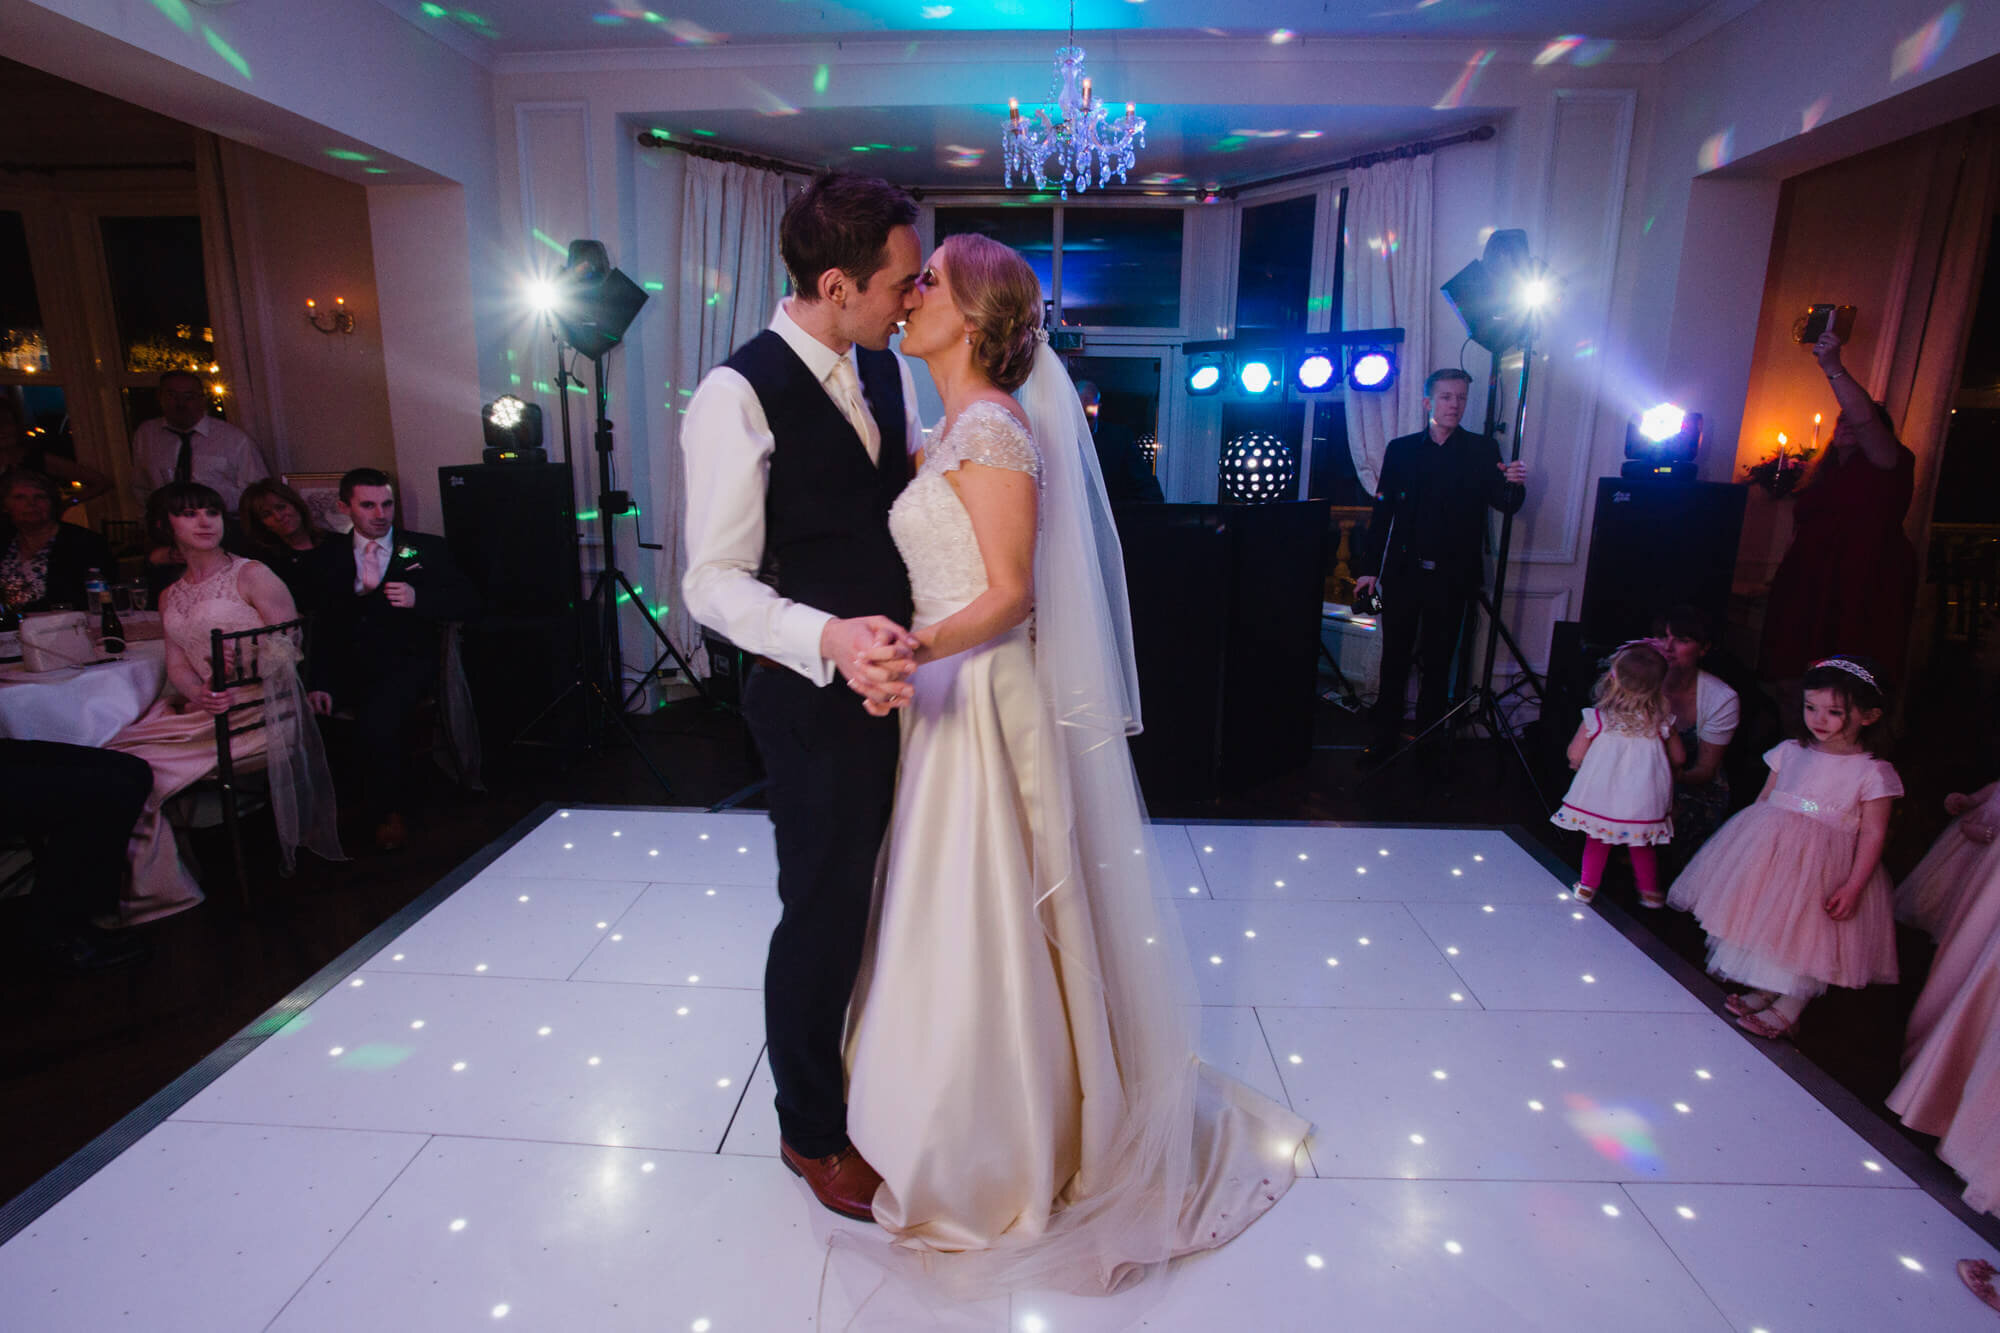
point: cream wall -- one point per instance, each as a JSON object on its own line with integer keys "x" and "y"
{"x": 301, "y": 233}
{"x": 343, "y": 74}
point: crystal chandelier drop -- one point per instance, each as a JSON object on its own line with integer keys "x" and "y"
{"x": 1077, "y": 133}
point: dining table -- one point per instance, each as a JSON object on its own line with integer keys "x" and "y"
{"x": 89, "y": 704}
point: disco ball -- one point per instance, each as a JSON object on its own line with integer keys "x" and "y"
{"x": 1257, "y": 469}
{"x": 1149, "y": 447}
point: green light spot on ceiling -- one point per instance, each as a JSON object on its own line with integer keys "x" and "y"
{"x": 433, "y": 11}
{"x": 550, "y": 242}
{"x": 821, "y": 77}
{"x": 376, "y": 171}
{"x": 654, "y": 286}
{"x": 227, "y": 52}
{"x": 706, "y": 134}
{"x": 859, "y": 148}
{"x": 375, "y": 1055}
{"x": 685, "y": 393}
{"x": 346, "y": 155}
{"x": 1648, "y": 228}
{"x": 177, "y": 14}
{"x": 651, "y": 17}
{"x": 514, "y": 381}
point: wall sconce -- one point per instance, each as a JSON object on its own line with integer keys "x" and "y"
{"x": 337, "y": 320}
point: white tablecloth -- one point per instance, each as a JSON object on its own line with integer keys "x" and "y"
{"x": 81, "y": 705}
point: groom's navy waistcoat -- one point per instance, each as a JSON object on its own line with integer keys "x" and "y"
{"x": 826, "y": 507}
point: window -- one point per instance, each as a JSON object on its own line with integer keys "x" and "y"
{"x": 159, "y": 293}
{"x": 1274, "y": 261}
{"x": 23, "y": 345}
{"x": 1029, "y": 229}
{"x": 1122, "y": 267}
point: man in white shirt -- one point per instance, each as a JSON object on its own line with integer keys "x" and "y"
{"x": 184, "y": 443}
{"x": 795, "y": 449}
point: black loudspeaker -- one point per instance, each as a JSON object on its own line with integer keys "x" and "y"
{"x": 512, "y": 529}
{"x": 1658, "y": 543}
{"x": 1225, "y": 623}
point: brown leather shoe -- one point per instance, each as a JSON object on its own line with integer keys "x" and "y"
{"x": 843, "y": 1181}
{"x": 392, "y": 833}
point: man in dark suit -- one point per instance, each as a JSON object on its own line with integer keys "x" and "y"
{"x": 1426, "y": 544}
{"x": 1128, "y": 477}
{"x": 378, "y": 602}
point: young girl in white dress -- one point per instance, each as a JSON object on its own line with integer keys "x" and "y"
{"x": 1791, "y": 891}
{"x": 1624, "y": 752}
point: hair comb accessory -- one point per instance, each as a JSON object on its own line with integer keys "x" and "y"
{"x": 1854, "y": 669}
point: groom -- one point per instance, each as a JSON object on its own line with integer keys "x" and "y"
{"x": 796, "y": 446}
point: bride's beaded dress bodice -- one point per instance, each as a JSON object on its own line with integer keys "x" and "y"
{"x": 188, "y": 611}
{"x": 932, "y": 530}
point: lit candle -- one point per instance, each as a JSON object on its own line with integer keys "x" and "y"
{"x": 1086, "y": 91}
{"x": 1815, "y": 443}
{"x": 1013, "y": 108}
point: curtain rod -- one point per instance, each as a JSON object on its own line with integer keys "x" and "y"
{"x": 659, "y": 139}
{"x": 1480, "y": 134}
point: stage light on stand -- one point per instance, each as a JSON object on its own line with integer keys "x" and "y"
{"x": 1258, "y": 468}
{"x": 1204, "y": 375}
{"x": 1662, "y": 441}
{"x": 1317, "y": 371}
{"x": 1371, "y": 369}
{"x": 513, "y": 431}
{"x": 1257, "y": 374}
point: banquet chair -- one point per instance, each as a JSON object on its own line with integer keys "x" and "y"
{"x": 233, "y": 662}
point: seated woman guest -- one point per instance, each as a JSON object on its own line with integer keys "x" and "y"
{"x": 278, "y": 527}
{"x": 1706, "y": 712}
{"x": 177, "y": 734}
{"x": 1848, "y": 582}
{"x": 44, "y": 562}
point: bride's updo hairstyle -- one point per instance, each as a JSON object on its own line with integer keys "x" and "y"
{"x": 1001, "y": 298}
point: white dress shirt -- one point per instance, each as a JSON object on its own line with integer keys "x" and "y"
{"x": 387, "y": 541}
{"x": 727, "y": 444}
{"x": 224, "y": 458}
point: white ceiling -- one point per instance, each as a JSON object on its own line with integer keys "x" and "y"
{"x": 1186, "y": 146}
{"x": 521, "y": 26}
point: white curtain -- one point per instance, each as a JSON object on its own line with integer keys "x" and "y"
{"x": 730, "y": 279}
{"x": 1388, "y": 246}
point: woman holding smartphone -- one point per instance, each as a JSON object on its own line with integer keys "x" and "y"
{"x": 1848, "y": 582}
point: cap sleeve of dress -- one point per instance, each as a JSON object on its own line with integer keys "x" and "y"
{"x": 987, "y": 433}
{"x": 1774, "y": 758}
{"x": 1882, "y": 780}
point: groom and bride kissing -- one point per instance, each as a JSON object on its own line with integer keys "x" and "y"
{"x": 979, "y": 1018}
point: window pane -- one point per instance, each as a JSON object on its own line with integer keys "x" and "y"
{"x": 1274, "y": 265}
{"x": 1122, "y": 267}
{"x": 43, "y": 414}
{"x": 1031, "y": 230}
{"x": 1128, "y": 415}
{"x": 159, "y": 293}
{"x": 1333, "y": 478}
{"x": 23, "y": 346}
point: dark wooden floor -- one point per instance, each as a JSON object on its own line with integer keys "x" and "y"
{"x": 78, "y": 1053}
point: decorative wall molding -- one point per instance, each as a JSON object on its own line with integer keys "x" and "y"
{"x": 554, "y": 159}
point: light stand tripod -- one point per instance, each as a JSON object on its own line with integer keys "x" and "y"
{"x": 1479, "y": 705}
{"x": 600, "y": 666}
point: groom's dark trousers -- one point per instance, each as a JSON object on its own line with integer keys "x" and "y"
{"x": 832, "y": 768}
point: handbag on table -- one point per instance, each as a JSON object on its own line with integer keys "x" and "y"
{"x": 52, "y": 640}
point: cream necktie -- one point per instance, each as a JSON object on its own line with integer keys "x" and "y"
{"x": 847, "y": 396}
{"x": 371, "y": 567}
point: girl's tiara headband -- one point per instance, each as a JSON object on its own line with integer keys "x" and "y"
{"x": 1854, "y": 669}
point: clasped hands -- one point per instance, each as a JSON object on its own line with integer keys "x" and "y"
{"x": 1976, "y": 827}
{"x": 875, "y": 656}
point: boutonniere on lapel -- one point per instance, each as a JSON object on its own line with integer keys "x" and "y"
{"x": 407, "y": 553}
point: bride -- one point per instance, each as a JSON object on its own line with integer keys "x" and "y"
{"x": 1020, "y": 1046}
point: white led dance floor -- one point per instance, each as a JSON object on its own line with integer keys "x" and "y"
{"x": 544, "y": 1106}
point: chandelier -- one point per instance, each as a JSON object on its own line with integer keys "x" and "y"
{"x": 1076, "y": 134}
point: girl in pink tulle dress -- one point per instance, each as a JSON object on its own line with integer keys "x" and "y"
{"x": 1791, "y": 891}
{"x": 1951, "y": 1057}
{"x": 1624, "y": 753}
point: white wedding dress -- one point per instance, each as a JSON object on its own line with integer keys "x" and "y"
{"x": 1020, "y": 1050}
